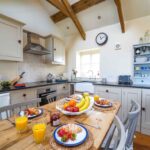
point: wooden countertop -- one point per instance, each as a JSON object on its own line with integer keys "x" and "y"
{"x": 11, "y": 140}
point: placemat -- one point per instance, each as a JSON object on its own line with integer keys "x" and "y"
{"x": 87, "y": 145}
{"x": 106, "y": 109}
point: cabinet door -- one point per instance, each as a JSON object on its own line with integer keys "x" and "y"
{"x": 112, "y": 93}
{"x": 146, "y": 111}
{"x": 10, "y": 41}
{"x": 129, "y": 94}
{"x": 101, "y": 91}
{"x": 59, "y": 51}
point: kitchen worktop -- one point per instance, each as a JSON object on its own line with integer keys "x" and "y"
{"x": 44, "y": 83}
{"x": 34, "y": 85}
{"x": 145, "y": 86}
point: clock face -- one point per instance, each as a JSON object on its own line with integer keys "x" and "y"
{"x": 101, "y": 38}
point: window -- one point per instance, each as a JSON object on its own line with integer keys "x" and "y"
{"x": 88, "y": 63}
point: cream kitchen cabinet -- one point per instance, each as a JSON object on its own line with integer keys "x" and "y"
{"x": 129, "y": 94}
{"x": 63, "y": 90}
{"x": 109, "y": 92}
{"x": 56, "y": 46}
{"x": 19, "y": 96}
{"x": 145, "y": 123}
{"x": 11, "y": 47}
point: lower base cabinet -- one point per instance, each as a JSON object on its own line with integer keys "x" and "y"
{"x": 145, "y": 122}
{"x": 112, "y": 93}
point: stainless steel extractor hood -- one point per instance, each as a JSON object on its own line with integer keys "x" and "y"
{"x": 35, "y": 48}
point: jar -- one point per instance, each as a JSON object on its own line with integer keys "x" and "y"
{"x": 55, "y": 119}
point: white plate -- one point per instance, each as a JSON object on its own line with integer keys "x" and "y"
{"x": 22, "y": 113}
{"x": 104, "y": 106}
{"x": 76, "y": 113}
{"x": 79, "y": 97}
{"x": 81, "y": 137}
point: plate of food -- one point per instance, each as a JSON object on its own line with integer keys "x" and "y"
{"x": 103, "y": 102}
{"x": 70, "y": 135}
{"x": 74, "y": 107}
{"x": 31, "y": 112}
{"x": 77, "y": 97}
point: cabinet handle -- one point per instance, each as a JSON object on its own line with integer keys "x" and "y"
{"x": 143, "y": 109}
{"x": 107, "y": 91}
{"x": 19, "y": 41}
{"x": 24, "y": 95}
{"x": 54, "y": 49}
{"x": 64, "y": 87}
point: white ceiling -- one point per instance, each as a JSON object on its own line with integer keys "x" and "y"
{"x": 107, "y": 10}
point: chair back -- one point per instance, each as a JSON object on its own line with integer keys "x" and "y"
{"x": 116, "y": 137}
{"x": 120, "y": 139}
{"x": 10, "y": 110}
{"x": 131, "y": 123}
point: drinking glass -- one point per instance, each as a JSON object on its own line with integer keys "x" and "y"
{"x": 39, "y": 131}
{"x": 21, "y": 123}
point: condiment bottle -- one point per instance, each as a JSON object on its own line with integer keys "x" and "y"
{"x": 55, "y": 119}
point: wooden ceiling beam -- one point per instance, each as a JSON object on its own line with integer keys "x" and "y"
{"x": 58, "y": 4}
{"x": 74, "y": 18}
{"x": 77, "y": 7}
{"x": 120, "y": 14}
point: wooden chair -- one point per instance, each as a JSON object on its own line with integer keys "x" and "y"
{"x": 130, "y": 124}
{"x": 116, "y": 141}
{"x": 10, "y": 110}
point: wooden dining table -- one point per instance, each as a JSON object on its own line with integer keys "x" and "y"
{"x": 96, "y": 121}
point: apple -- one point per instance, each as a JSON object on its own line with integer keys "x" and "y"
{"x": 75, "y": 109}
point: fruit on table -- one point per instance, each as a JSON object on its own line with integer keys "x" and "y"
{"x": 86, "y": 104}
{"x": 81, "y": 103}
{"x": 72, "y": 109}
{"x": 85, "y": 94}
{"x": 72, "y": 103}
{"x": 96, "y": 98}
{"x": 66, "y": 105}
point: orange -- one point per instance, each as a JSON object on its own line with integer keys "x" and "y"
{"x": 72, "y": 103}
{"x": 96, "y": 97}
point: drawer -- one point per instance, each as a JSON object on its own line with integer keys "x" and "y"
{"x": 102, "y": 89}
{"x": 22, "y": 95}
{"x": 63, "y": 87}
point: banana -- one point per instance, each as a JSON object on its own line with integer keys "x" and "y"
{"x": 86, "y": 105}
{"x": 81, "y": 103}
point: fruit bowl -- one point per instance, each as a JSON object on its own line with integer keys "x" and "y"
{"x": 60, "y": 106}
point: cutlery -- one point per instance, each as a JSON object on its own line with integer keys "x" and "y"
{"x": 97, "y": 127}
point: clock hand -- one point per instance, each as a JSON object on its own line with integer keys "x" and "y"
{"x": 102, "y": 37}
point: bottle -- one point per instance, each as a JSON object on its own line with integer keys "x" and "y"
{"x": 55, "y": 119}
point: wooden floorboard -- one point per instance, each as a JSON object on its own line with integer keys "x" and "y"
{"x": 141, "y": 142}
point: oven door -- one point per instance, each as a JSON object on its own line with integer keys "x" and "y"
{"x": 47, "y": 97}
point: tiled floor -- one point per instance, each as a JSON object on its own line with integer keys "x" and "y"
{"x": 142, "y": 142}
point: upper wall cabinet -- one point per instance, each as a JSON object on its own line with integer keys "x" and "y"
{"x": 57, "y": 47}
{"x": 11, "y": 47}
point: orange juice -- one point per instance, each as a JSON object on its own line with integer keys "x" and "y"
{"x": 96, "y": 97}
{"x": 39, "y": 131}
{"x": 21, "y": 123}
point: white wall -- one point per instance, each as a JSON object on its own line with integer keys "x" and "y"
{"x": 113, "y": 62}
{"x": 32, "y": 13}
{"x": 34, "y": 66}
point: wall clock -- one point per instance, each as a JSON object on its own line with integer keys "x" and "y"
{"x": 101, "y": 38}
